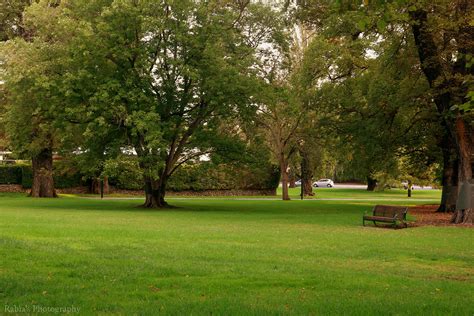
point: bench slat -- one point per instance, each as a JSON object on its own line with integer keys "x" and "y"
{"x": 390, "y": 211}
{"x": 387, "y": 214}
{"x": 379, "y": 219}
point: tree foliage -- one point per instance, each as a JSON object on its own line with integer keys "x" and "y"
{"x": 157, "y": 77}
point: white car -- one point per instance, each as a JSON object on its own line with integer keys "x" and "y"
{"x": 323, "y": 183}
{"x": 298, "y": 183}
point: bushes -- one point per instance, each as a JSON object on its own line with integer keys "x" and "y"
{"x": 16, "y": 174}
{"x": 27, "y": 176}
{"x": 10, "y": 174}
{"x": 124, "y": 173}
{"x": 208, "y": 176}
{"x": 66, "y": 175}
{"x": 68, "y": 181}
{"x": 23, "y": 174}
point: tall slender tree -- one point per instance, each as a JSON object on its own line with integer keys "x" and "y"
{"x": 281, "y": 117}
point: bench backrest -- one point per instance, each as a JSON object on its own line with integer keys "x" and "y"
{"x": 391, "y": 211}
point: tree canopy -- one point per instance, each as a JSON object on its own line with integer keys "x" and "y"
{"x": 377, "y": 91}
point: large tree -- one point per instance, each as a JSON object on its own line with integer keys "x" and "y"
{"x": 444, "y": 36}
{"x": 280, "y": 118}
{"x": 441, "y": 32}
{"x": 280, "y": 108}
{"x": 158, "y": 75}
{"x": 370, "y": 103}
{"x": 26, "y": 88}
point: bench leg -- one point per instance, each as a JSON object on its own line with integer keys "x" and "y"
{"x": 375, "y": 223}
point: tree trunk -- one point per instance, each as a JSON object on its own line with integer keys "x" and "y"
{"x": 306, "y": 174}
{"x": 307, "y": 187}
{"x": 94, "y": 187}
{"x": 371, "y": 183}
{"x": 464, "y": 142}
{"x": 155, "y": 191}
{"x": 447, "y": 93}
{"x": 465, "y": 216}
{"x": 43, "y": 182}
{"x": 449, "y": 179}
{"x": 464, "y": 206}
{"x": 284, "y": 179}
{"x": 292, "y": 179}
{"x": 409, "y": 188}
{"x": 106, "y": 185}
{"x": 449, "y": 196}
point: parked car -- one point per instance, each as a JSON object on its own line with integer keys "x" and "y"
{"x": 298, "y": 183}
{"x": 323, "y": 183}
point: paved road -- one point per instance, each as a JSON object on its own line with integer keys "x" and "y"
{"x": 364, "y": 186}
{"x": 346, "y": 186}
{"x": 350, "y": 186}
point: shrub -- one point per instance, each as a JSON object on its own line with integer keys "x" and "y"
{"x": 26, "y": 176}
{"x": 10, "y": 174}
{"x": 124, "y": 173}
{"x": 64, "y": 176}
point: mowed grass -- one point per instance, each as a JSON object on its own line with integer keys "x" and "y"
{"x": 324, "y": 193}
{"x": 340, "y": 193}
{"x": 221, "y": 257}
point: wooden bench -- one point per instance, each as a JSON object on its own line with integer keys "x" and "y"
{"x": 387, "y": 214}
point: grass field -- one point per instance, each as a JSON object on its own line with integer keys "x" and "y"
{"x": 230, "y": 257}
{"x": 326, "y": 193}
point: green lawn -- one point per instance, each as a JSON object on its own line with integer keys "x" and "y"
{"x": 230, "y": 257}
{"x": 334, "y": 193}
{"x": 326, "y": 193}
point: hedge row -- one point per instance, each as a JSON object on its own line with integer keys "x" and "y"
{"x": 23, "y": 174}
{"x": 127, "y": 175}
{"x": 208, "y": 176}
{"x": 200, "y": 177}
{"x": 10, "y": 174}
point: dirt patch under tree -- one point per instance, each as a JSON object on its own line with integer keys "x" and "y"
{"x": 427, "y": 215}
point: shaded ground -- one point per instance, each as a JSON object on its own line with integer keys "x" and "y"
{"x": 427, "y": 215}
